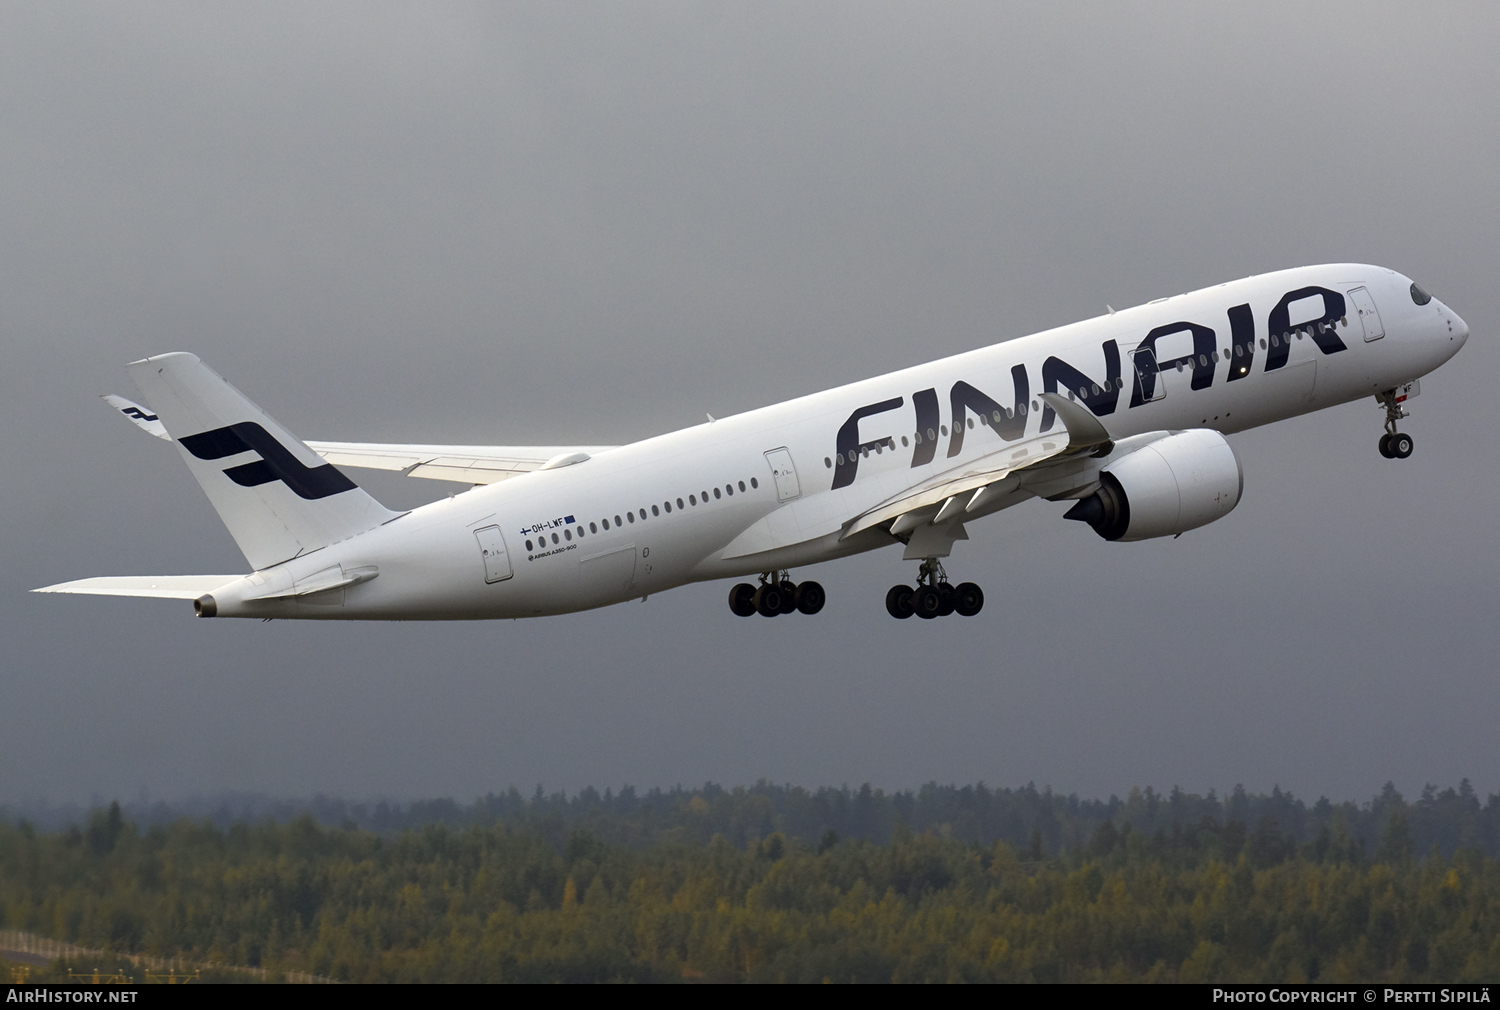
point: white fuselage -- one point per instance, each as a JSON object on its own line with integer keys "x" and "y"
{"x": 667, "y": 503}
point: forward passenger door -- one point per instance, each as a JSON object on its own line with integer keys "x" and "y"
{"x": 784, "y": 474}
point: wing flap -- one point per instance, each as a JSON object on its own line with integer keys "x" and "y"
{"x": 161, "y": 587}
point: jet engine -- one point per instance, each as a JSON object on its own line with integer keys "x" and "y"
{"x": 1172, "y": 485}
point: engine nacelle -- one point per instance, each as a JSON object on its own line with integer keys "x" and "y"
{"x": 1172, "y": 485}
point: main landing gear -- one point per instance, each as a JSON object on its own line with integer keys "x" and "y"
{"x": 776, "y": 594}
{"x": 1393, "y": 444}
{"x": 933, "y": 596}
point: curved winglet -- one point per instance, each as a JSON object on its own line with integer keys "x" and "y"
{"x": 1084, "y": 430}
{"x": 138, "y": 415}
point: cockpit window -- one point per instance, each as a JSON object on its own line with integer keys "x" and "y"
{"x": 1418, "y": 295}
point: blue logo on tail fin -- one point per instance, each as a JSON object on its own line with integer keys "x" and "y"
{"x": 276, "y": 461}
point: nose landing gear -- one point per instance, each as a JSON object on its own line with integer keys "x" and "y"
{"x": 777, "y": 594}
{"x": 933, "y": 596}
{"x": 1394, "y": 444}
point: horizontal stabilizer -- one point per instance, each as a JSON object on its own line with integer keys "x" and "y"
{"x": 161, "y": 587}
{"x": 322, "y": 582}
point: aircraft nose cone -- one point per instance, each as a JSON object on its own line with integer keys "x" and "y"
{"x": 1460, "y": 328}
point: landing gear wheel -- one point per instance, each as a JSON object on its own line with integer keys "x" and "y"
{"x": 809, "y": 598}
{"x": 788, "y": 596}
{"x": 742, "y": 600}
{"x": 768, "y": 600}
{"x": 1394, "y": 444}
{"x": 927, "y": 602}
{"x": 898, "y": 602}
{"x": 947, "y": 595}
{"x": 968, "y": 599}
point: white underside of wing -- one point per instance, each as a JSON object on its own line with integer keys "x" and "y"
{"x": 162, "y": 587}
{"x": 977, "y": 474}
{"x": 839, "y": 512}
{"x": 466, "y": 464}
{"x": 1080, "y": 432}
{"x": 1045, "y": 464}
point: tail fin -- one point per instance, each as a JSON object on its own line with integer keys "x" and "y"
{"x": 278, "y": 497}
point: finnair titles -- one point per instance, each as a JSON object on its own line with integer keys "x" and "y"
{"x": 1123, "y": 417}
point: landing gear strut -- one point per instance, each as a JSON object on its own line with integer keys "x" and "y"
{"x": 1393, "y": 444}
{"x": 776, "y": 594}
{"x": 933, "y": 596}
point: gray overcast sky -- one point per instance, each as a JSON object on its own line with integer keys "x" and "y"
{"x": 560, "y": 222}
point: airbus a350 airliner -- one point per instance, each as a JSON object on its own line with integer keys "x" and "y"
{"x": 1123, "y": 416}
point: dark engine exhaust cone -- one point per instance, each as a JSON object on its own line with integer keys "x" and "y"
{"x": 1088, "y": 510}
{"x": 1106, "y": 510}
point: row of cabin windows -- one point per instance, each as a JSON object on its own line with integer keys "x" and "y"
{"x": 879, "y": 447}
{"x": 1240, "y": 350}
{"x": 568, "y": 533}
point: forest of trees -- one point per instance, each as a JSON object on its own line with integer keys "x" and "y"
{"x": 1450, "y": 819}
{"x": 778, "y": 883}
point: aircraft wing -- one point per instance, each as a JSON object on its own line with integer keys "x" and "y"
{"x": 1053, "y": 464}
{"x": 466, "y": 464}
{"x": 1036, "y": 461}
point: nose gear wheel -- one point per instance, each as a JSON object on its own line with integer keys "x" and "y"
{"x": 1394, "y": 444}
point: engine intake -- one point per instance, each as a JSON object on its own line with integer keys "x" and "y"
{"x": 1173, "y": 485}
